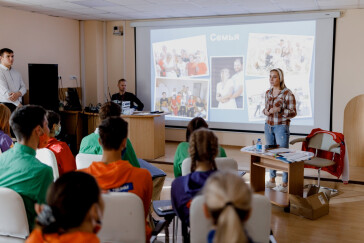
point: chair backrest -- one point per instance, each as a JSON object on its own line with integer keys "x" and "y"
{"x": 323, "y": 141}
{"x": 257, "y": 226}
{"x": 123, "y": 219}
{"x": 13, "y": 220}
{"x": 85, "y": 160}
{"x": 47, "y": 157}
{"x": 221, "y": 163}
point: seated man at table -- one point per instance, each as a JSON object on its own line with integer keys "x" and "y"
{"x": 123, "y": 96}
{"x": 118, "y": 175}
{"x": 90, "y": 144}
{"x": 20, "y": 170}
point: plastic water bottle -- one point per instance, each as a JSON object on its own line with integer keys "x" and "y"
{"x": 259, "y": 146}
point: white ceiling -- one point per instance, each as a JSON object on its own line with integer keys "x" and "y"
{"x": 150, "y": 9}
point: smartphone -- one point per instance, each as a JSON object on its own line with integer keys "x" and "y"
{"x": 165, "y": 208}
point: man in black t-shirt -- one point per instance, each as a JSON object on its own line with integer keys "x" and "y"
{"x": 126, "y": 96}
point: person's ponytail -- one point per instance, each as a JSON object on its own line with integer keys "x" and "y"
{"x": 229, "y": 227}
{"x": 228, "y": 201}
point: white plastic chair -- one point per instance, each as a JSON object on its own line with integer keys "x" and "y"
{"x": 13, "y": 220}
{"x": 257, "y": 226}
{"x": 85, "y": 160}
{"x": 47, "y": 157}
{"x": 123, "y": 219}
{"x": 221, "y": 163}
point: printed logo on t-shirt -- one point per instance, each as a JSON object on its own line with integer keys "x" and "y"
{"x": 124, "y": 188}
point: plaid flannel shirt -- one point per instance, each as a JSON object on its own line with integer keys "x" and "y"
{"x": 286, "y": 100}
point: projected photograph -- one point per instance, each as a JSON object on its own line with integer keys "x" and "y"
{"x": 184, "y": 98}
{"x": 255, "y": 92}
{"x": 300, "y": 88}
{"x": 227, "y": 82}
{"x": 291, "y": 53}
{"x": 185, "y": 57}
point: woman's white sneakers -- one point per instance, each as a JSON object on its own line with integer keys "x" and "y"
{"x": 274, "y": 186}
{"x": 269, "y": 184}
{"x": 281, "y": 188}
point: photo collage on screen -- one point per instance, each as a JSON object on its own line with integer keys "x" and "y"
{"x": 225, "y": 77}
{"x": 181, "y": 84}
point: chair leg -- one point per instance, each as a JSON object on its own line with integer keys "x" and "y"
{"x": 318, "y": 177}
{"x": 333, "y": 191}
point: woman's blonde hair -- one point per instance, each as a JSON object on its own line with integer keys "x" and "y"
{"x": 4, "y": 119}
{"x": 281, "y": 77}
{"x": 204, "y": 146}
{"x": 228, "y": 201}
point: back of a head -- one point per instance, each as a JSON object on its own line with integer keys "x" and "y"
{"x": 193, "y": 125}
{"x": 204, "y": 147}
{"x": 53, "y": 118}
{"x": 109, "y": 109}
{"x": 70, "y": 198}
{"x": 24, "y": 119}
{"x": 4, "y": 119}
{"x": 228, "y": 200}
{"x": 113, "y": 131}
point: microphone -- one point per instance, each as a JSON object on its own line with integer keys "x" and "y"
{"x": 109, "y": 92}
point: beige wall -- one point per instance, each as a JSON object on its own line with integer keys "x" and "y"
{"x": 103, "y": 71}
{"x": 120, "y": 56}
{"x": 94, "y": 62}
{"x": 349, "y": 63}
{"x": 37, "y": 38}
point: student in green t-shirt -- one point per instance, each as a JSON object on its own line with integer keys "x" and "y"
{"x": 90, "y": 144}
{"x": 20, "y": 170}
{"x": 182, "y": 149}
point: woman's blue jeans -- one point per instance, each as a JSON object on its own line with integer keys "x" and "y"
{"x": 277, "y": 135}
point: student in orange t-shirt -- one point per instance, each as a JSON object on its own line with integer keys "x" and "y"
{"x": 118, "y": 175}
{"x": 73, "y": 212}
{"x": 65, "y": 159}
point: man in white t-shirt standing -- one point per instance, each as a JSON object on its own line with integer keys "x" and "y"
{"x": 12, "y": 87}
{"x": 238, "y": 79}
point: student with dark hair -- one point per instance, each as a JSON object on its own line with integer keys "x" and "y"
{"x": 203, "y": 149}
{"x": 182, "y": 149}
{"x": 73, "y": 211}
{"x": 65, "y": 159}
{"x": 20, "y": 170}
{"x": 117, "y": 175}
{"x": 90, "y": 144}
{"x": 12, "y": 86}
{"x": 5, "y": 140}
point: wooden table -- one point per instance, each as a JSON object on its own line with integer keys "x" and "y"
{"x": 258, "y": 165}
{"x": 147, "y": 134}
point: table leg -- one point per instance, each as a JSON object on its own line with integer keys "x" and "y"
{"x": 257, "y": 175}
{"x": 295, "y": 178}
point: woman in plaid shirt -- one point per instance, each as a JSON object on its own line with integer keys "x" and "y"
{"x": 280, "y": 108}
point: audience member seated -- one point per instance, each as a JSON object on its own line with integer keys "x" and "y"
{"x": 65, "y": 159}
{"x": 118, "y": 175}
{"x": 73, "y": 211}
{"x": 19, "y": 169}
{"x": 182, "y": 149}
{"x": 203, "y": 150}
{"x": 228, "y": 205}
{"x": 5, "y": 140}
{"x": 90, "y": 144}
